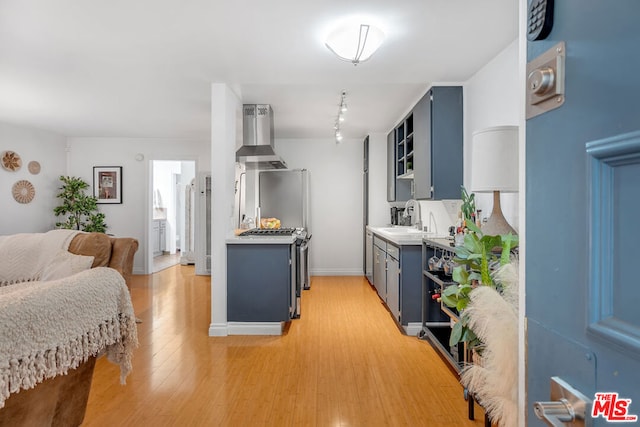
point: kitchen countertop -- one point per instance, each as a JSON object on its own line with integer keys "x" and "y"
{"x": 440, "y": 243}
{"x": 399, "y": 238}
{"x": 260, "y": 240}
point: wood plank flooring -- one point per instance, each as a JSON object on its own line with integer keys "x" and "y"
{"x": 343, "y": 363}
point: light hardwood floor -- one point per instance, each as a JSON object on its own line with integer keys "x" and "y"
{"x": 343, "y": 363}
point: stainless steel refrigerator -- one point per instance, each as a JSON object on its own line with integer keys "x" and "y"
{"x": 284, "y": 194}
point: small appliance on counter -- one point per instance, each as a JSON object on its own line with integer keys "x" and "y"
{"x": 398, "y": 218}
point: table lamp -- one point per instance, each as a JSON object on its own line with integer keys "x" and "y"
{"x": 494, "y": 168}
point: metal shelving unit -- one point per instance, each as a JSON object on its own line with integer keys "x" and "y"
{"x": 429, "y": 326}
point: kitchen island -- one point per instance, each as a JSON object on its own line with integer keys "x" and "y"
{"x": 260, "y": 284}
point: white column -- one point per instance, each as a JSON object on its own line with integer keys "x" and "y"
{"x": 225, "y": 110}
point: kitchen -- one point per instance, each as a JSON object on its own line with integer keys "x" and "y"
{"x": 335, "y": 172}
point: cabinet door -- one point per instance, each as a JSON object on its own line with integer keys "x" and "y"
{"x": 369, "y": 257}
{"x": 393, "y": 287}
{"x": 422, "y": 148}
{"x": 446, "y": 142}
{"x": 156, "y": 238}
{"x": 163, "y": 236}
{"x": 379, "y": 271}
{"x": 438, "y": 163}
{"x": 391, "y": 168}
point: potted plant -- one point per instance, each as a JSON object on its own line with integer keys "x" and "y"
{"x": 468, "y": 207}
{"x": 477, "y": 258}
{"x": 80, "y": 208}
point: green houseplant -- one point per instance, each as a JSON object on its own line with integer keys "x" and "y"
{"x": 80, "y": 209}
{"x": 479, "y": 255}
{"x": 468, "y": 207}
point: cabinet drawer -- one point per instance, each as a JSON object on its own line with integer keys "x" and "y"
{"x": 382, "y": 244}
{"x": 393, "y": 251}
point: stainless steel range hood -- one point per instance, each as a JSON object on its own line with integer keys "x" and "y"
{"x": 257, "y": 139}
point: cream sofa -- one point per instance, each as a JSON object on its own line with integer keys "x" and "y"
{"x": 59, "y": 397}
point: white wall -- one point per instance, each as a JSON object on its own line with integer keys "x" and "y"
{"x": 492, "y": 98}
{"x": 379, "y": 213}
{"x": 335, "y": 175}
{"x": 226, "y": 125}
{"x": 46, "y": 148}
{"x": 131, "y": 218}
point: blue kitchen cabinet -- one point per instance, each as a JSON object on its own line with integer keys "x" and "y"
{"x": 437, "y": 146}
{"x": 259, "y": 282}
{"x": 397, "y": 278}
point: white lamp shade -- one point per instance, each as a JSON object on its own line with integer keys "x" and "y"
{"x": 346, "y": 41}
{"x": 494, "y": 160}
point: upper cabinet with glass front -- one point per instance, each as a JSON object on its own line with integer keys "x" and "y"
{"x": 425, "y": 151}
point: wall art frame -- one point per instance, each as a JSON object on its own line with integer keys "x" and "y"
{"x": 107, "y": 184}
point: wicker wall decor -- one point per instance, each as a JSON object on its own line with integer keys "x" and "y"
{"x": 23, "y": 191}
{"x": 11, "y": 161}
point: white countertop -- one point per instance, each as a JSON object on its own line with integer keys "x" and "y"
{"x": 260, "y": 240}
{"x": 403, "y": 236}
{"x": 441, "y": 243}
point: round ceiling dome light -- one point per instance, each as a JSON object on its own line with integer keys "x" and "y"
{"x": 355, "y": 43}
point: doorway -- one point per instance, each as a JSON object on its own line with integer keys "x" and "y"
{"x": 172, "y": 224}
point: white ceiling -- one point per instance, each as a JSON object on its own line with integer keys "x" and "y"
{"x": 143, "y": 68}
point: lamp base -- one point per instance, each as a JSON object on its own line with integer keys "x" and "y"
{"x": 496, "y": 224}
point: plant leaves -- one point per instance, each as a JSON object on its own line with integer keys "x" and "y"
{"x": 449, "y": 300}
{"x": 456, "y": 334}
{"x": 460, "y": 275}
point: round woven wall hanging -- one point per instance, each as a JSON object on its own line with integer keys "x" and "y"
{"x": 34, "y": 167}
{"x": 23, "y": 191}
{"x": 11, "y": 161}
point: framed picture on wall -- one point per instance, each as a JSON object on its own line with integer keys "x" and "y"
{"x": 107, "y": 184}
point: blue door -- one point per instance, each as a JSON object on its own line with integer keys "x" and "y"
{"x": 583, "y": 213}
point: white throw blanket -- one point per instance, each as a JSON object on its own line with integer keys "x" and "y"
{"x": 47, "y": 328}
{"x": 24, "y": 256}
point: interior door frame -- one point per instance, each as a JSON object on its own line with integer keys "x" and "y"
{"x": 522, "y": 205}
{"x": 148, "y": 236}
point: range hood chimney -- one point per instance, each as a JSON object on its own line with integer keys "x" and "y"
{"x": 257, "y": 139}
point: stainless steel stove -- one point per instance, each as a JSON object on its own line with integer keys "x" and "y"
{"x": 269, "y": 232}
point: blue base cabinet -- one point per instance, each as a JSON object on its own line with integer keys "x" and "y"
{"x": 410, "y": 284}
{"x": 397, "y": 277}
{"x": 259, "y": 280}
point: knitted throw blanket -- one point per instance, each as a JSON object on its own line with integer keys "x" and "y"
{"x": 47, "y": 328}
{"x": 24, "y": 256}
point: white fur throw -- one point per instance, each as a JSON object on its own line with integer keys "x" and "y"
{"x": 494, "y": 319}
{"x": 24, "y": 256}
{"x": 47, "y": 328}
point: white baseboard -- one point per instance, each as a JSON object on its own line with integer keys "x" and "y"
{"x": 254, "y": 328}
{"x": 218, "y": 330}
{"x": 412, "y": 328}
{"x": 336, "y": 272}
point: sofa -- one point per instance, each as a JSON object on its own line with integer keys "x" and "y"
{"x": 71, "y": 289}
{"x": 108, "y": 251}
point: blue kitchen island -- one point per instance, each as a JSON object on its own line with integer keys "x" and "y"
{"x": 261, "y": 290}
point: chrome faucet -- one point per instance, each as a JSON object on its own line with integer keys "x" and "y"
{"x": 433, "y": 229}
{"x": 416, "y": 217}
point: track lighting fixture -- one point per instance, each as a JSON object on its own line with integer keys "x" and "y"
{"x": 342, "y": 108}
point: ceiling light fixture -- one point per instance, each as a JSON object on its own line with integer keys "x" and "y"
{"x": 342, "y": 108}
{"x": 355, "y": 43}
